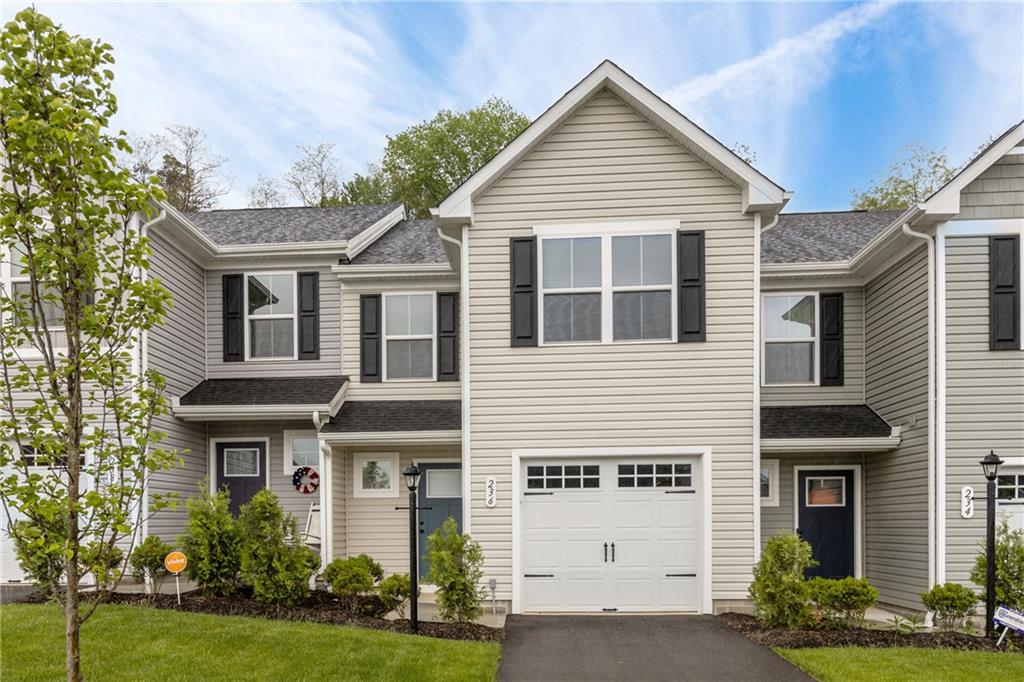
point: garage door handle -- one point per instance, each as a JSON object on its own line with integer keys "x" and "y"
{"x": 680, "y": 575}
{"x": 606, "y": 552}
{"x": 613, "y": 552}
{"x": 680, "y": 492}
{"x": 538, "y": 575}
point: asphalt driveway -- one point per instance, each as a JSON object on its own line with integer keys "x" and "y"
{"x": 635, "y": 648}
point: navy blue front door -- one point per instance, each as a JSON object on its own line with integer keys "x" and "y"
{"x": 242, "y": 469}
{"x": 441, "y": 491}
{"x": 825, "y": 518}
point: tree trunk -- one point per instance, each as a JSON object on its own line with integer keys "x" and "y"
{"x": 72, "y": 625}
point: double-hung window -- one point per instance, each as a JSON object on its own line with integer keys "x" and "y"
{"x": 608, "y": 285}
{"x": 270, "y": 305}
{"x": 409, "y": 336}
{"x": 21, "y": 290}
{"x": 790, "y": 338}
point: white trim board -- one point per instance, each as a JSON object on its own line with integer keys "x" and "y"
{"x": 879, "y": 444}
{"x": 705, "y": 600}
{"x": 392, "y": 437}
{"x": 858, "y": 508}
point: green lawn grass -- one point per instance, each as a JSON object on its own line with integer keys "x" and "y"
{"x": 135, "y": 643}
{"x": 854, "y": 664}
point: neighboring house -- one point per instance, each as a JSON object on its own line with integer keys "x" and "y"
{"x": 619, "y": 365}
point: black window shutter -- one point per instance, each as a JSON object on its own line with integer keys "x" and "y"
{"x": 690, "y": 263}
{"x": 1004, "y": 292}
{"x": 234, "y": 318}
{"x": 448, "y": 336}
{"x": 309, "y": 316}
{"x": 370, "y": 338}
{"x": 831, "y": 324}
{"x": 523, "y": 268}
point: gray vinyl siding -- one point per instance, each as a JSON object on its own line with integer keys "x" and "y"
{"x": 896, "y": 483}
{"x": 996, "y": 193}
{"x": 852, "y": 390}
{"x": 280, "y": 476}
{"x": 984, "y": 398}
{"x": 779, "y": 520}
{"x": 340, "y": 473}
{"x": 372, "y": 525}
{"x": 387, "y": 390}
{"x": 175, "y": 350}
{"x": 607, "y": 162}
{"x": 330, "y": 342}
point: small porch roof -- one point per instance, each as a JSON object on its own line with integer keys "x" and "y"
{"x": 835, "y": 428}
{"x": 396, "y": 421}
{"x": 317, "y": 397}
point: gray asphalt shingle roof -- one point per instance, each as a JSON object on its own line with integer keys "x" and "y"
{"x": 287, "y": 225}
{"x": 397, "y": 415}
{"x": 410, "y": 242}
{"x": 826, "y": 237}
{"x": 822, "y": 421}
{"x": 266, "y": 391}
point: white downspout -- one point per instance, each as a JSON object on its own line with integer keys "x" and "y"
{"x": 931, "y": 401}
{"x": 757, "y": 385}
{"x": 467, "y": 481}
{"x": 141, "y": 364}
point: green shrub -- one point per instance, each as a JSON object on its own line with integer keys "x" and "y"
{"x": 1009, "y": 566}
{"x": 779, "y": 591}
{"x": 104, "y": 561}
{"x": 147, "y": 560}
{"x": 41, "y": 560}
{"x": 842, "y": 602}
{"x": 212, "y": 543}
{"x": 395, "y": 592}
{"x": 274, "y": 561}
{"x": 456, "y": 562}
{"x": 353, "y": 577}
{"x": 952, "y": 604}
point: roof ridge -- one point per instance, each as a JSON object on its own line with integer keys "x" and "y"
{"x": 849, "y": 210}
{"x": 281, "y": 208}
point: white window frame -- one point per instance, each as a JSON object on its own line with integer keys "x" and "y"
{"x": 259, "y": 466}
{"x": 815, "y": 340}
{"x": 807, "y": 491}
{"x": 772, "y": 465}
{"x": 293, "y": 316}
{"x": 8, "y": 280}
{"x": 409, "y": 337}
{"x": 605, "y": 231}
{"x": 358, "y": 459}
{"x": 289, "y": 466}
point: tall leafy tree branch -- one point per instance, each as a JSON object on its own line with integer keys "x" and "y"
{"x": 77, "y": 443}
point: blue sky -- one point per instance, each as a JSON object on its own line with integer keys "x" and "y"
{"x": 826, "y": 94}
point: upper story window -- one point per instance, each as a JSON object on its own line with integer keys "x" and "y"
{"x": 789, "y": 338}
{"x": 409, "y": 336}
{"x": 607, "y": 287}
{"x": 21, "y": 289}
{"x": 270, "y": 306}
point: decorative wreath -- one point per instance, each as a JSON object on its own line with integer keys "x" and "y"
{"x": 311, "y": 478}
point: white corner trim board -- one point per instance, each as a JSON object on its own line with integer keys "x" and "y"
{"x": 704, "y": 463}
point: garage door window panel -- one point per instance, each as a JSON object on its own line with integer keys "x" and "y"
{"x": 563, "y": 477}
{"x": 655, "y": 475}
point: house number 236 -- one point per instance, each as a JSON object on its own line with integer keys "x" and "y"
{"x": 491, "y": 492}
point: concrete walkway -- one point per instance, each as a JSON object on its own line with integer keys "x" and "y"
{"x": 635, "y": 648}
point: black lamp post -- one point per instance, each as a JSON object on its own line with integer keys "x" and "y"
{"x": 412, "y": 480}
{"x": 990, "y": 465}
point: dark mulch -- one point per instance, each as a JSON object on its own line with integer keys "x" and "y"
{"x": 319, "y": 607}
{"x": 814, "y": 638}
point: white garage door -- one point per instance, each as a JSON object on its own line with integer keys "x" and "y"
{"x": 617, "y": 535}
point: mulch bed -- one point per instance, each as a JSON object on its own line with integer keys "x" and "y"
{"x": 320, "y": 607}
{"x": 861, "y": 637}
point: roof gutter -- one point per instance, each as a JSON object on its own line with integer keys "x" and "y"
{"x": 932, "y": 455}
{"x": 319, "y": 413}
{"x": 866, "y": 444}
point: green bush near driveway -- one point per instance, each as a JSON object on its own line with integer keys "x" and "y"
{"x": 905, "y": 665}
{"x": 137, "y": 643}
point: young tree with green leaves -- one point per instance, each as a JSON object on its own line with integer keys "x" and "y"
{"x": 77, "y": 443}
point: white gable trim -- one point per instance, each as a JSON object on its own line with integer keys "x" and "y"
{"x": 759, "y": 193}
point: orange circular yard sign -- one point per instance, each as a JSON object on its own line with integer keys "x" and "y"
{"x": 175, "y": 562}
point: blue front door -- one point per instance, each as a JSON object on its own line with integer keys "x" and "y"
{"x": 825, "y": 515}
{"x": 440, "y": 496}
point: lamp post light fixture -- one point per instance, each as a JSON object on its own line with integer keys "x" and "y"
{"x": 990, "y": 465}
{"x": 412, "y": 481}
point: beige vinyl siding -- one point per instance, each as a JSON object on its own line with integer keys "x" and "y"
{"x": 852, "y": 390}
{"x": 373, "y": 525}
{"x": 984, "y": 398}
{"x": 996, "y": 193}
{"x": 896, "y": 483}
{"x": 387, "y": 390}
{"x": 175, "y": 349}
{"x": 330, "y": 343}
{"x": 607, "y": 162}
{"x": 779, "y": 520}
{"x": 280, "y": 478}
{"x": 340, "y": 474}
